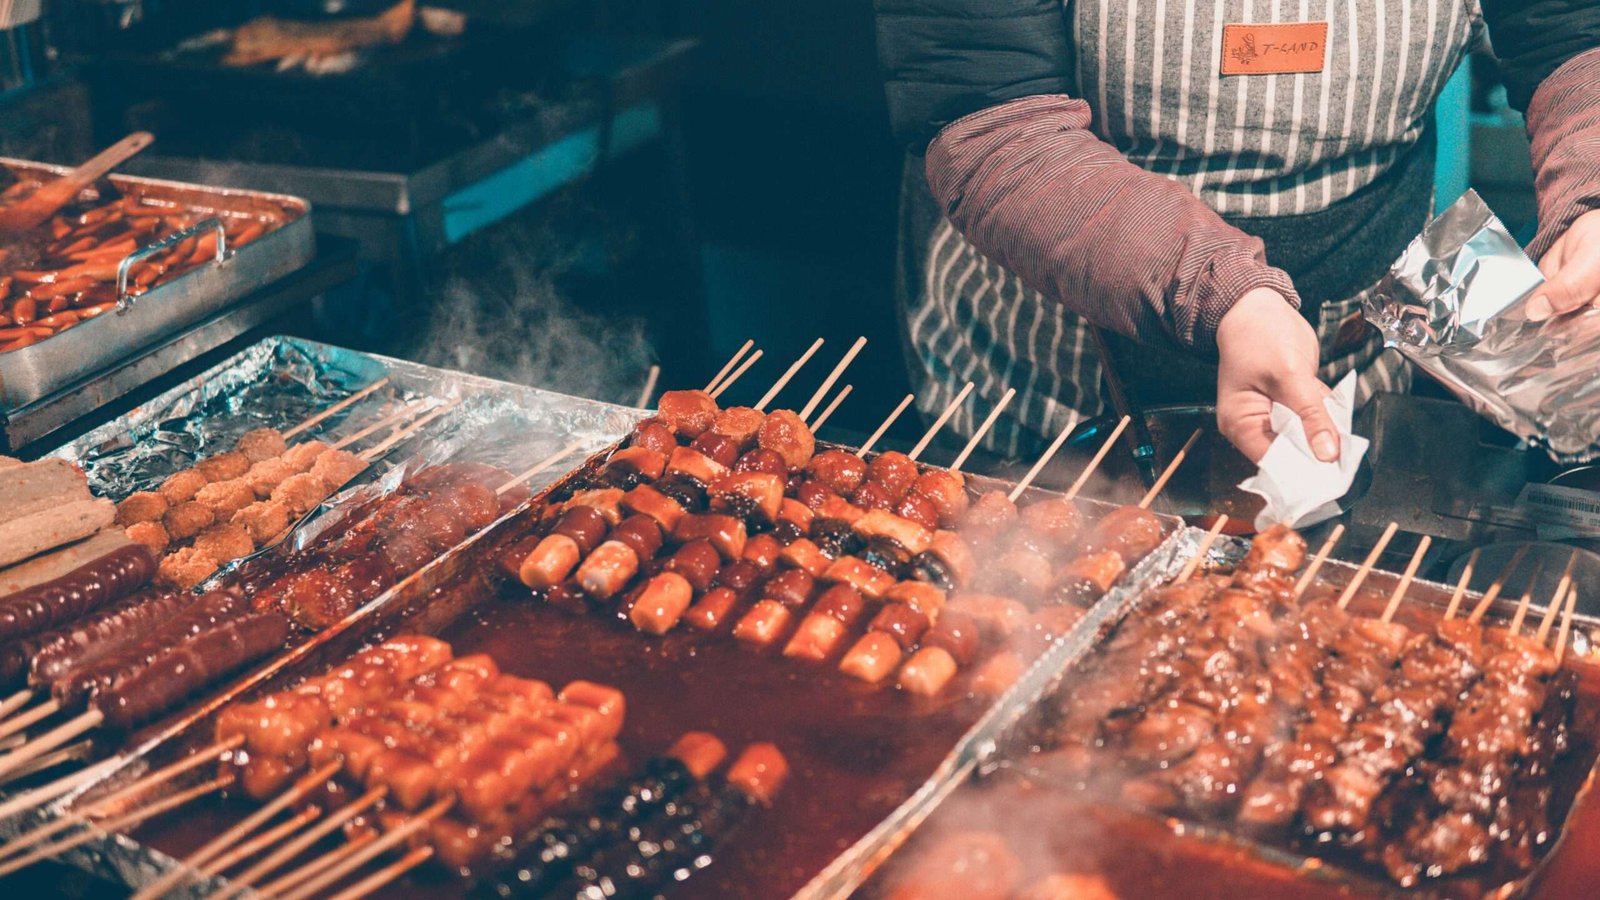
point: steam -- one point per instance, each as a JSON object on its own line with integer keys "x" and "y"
{"x": 503, "y": 313}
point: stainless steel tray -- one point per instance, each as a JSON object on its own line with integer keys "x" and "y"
{"x": 31, "y": 373}
{"x": 425, "y": 602}
{"x": 1009, "y": 752}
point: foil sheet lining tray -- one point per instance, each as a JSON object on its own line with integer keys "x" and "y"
{"x": 1005, "y": 758}
{"x": 278, "y": 383}
{"x": 445, "y": 592}
{"x": 57, "y": 362}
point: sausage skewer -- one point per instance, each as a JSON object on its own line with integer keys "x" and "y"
{"x": 1411, "y": 572}
{"x": 938, "y": 423}
{"x": 1461, "y": 586}
{"x": 1367, "y": 564}
{"x": 649, "y": 389}
{"x": 114, "y": 799}
{"x": 118, "y": 823}
{"x": 1168, "y": 472}
{"x": 335, "y": 408}
{"x": 1200, "y": 552}
{"x": 543, "y": 464}
{"x": 727, "y": 367}
{"x": 827, "y": 383}
{"x": 1310, "y": 573}
{"x": 223, "y": 842}
{"x": 737, "y": 374}
{"x": 828, "y": 412}
{"x": 793, "y": 369}
{"x": 977, "y": 436}
{"x": 872, "y": 439}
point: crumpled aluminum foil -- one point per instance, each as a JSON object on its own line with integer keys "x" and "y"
{"x": 1454, "y": 304}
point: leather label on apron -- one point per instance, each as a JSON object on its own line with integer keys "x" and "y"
{"x": 1274, "y": 49}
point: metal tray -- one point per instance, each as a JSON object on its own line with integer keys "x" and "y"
{"x": 1009, "y": 753}
{"x": 430, "y": 600}
{"x": 31, "y": 373}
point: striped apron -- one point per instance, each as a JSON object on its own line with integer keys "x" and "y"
{"x": 1256, "y": 148}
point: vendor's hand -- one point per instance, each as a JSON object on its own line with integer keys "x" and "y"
{"x": 1571, "y": 269}
{"x": 1269, "y": 353}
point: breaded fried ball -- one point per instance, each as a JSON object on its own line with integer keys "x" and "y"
{"x": 300, "y": 457}
{"x": 151, "y": 534}
{"x": 141, "y": 506}
{"x": 337, "y": 467}
{"x": 266, "y": 475}
{"x": 301, "y": 493}
{"x": 264, "y": 520}
{"x": 226, "y": 497}
{"x": 225, "y": 542}
{"x": 185, "y": 567}
{"x": 687, "y": 413}
{"x": 186, "y": 520}
{"x": 224, "y": 466}
{"x": 262, "y": 444}
{"x": 181, "y": 487}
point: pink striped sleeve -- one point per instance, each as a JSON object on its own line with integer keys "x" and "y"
{"x": 1032, "y": 188}
{"x": 1564, "y": 125}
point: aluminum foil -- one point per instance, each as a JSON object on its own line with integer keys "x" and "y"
{"x": 1454, "y": 304}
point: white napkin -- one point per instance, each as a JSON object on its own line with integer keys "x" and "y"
{"x": 1300, "y": 490}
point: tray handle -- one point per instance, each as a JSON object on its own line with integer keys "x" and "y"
{"x": 124, "y": 301}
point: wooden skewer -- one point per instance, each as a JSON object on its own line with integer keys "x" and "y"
{"x": 20, "y": 723}
{"x": 115, "y": 798}
{"x": 409, "y": 430}
{"x": 356, "y": 860}
{"x": 353, "y": 398}
{"x": 777, "y": 386}
{"x": 50, "y": 740}
{"x": 543, "y": 464}
{"x": 118, "y": 823}
{"x": 1553, "y": 608}
{"x": 1493, "y": 594}
{"x": 15, "y": 702}
{"x": 1566, "y": 623}
{"x": 295, "y": 847}
{"x": 80, "y": 750}
{"x": 649, "y": 388}
{"x": 1556, "y": 598}
{"x": 1169, "y": 471}
{"x": 44, "y": 794}
{"x": 873, "y": 438}
{"x": 983, "y": 429}
{"x": 277, "y": 887}
{"x": 828, "y": 412}
{"x": 1310, "y": 573}
{"x": 405, "y": 411}
{"x": 222, "y": 842}
{"x": 827, "y": 383}
{"x": 385, "y": 875}
{"x": 737, "y": 374}
{"x": 265, "y": 839}
{"x": 939, "y": 422}
{"x": 727, "y": 367}
{"x": 1405, "y": 579}
{"x": 1461, "y": 585}
{"x": 1367, "y": 564}
{"x": 1200, "y": 553}
{"x": 1094, "y": 464}
{"x": 1041, "y": 462}
{"x": 1521, "y": 615}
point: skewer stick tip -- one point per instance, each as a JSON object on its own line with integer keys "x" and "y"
{"x": 1367, "y": 564}
{"x": 866, "y": 446}
{"x": 1202, "y": 551}
{"x": 783, "y": 380}
{"x": 983, "y": 429}
{"x": 938, "y": 423}
{"x": 1169, "y": 471}
{"x": 737, "y": 374}
{"x": 1318, "y": 560}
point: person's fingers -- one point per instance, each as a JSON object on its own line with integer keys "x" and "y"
{"x": 1539, "y": 305}
{"x": 1304, "y": 394}
{"x": 1245, "y": 419}
{"x": 1576, "y": 284}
